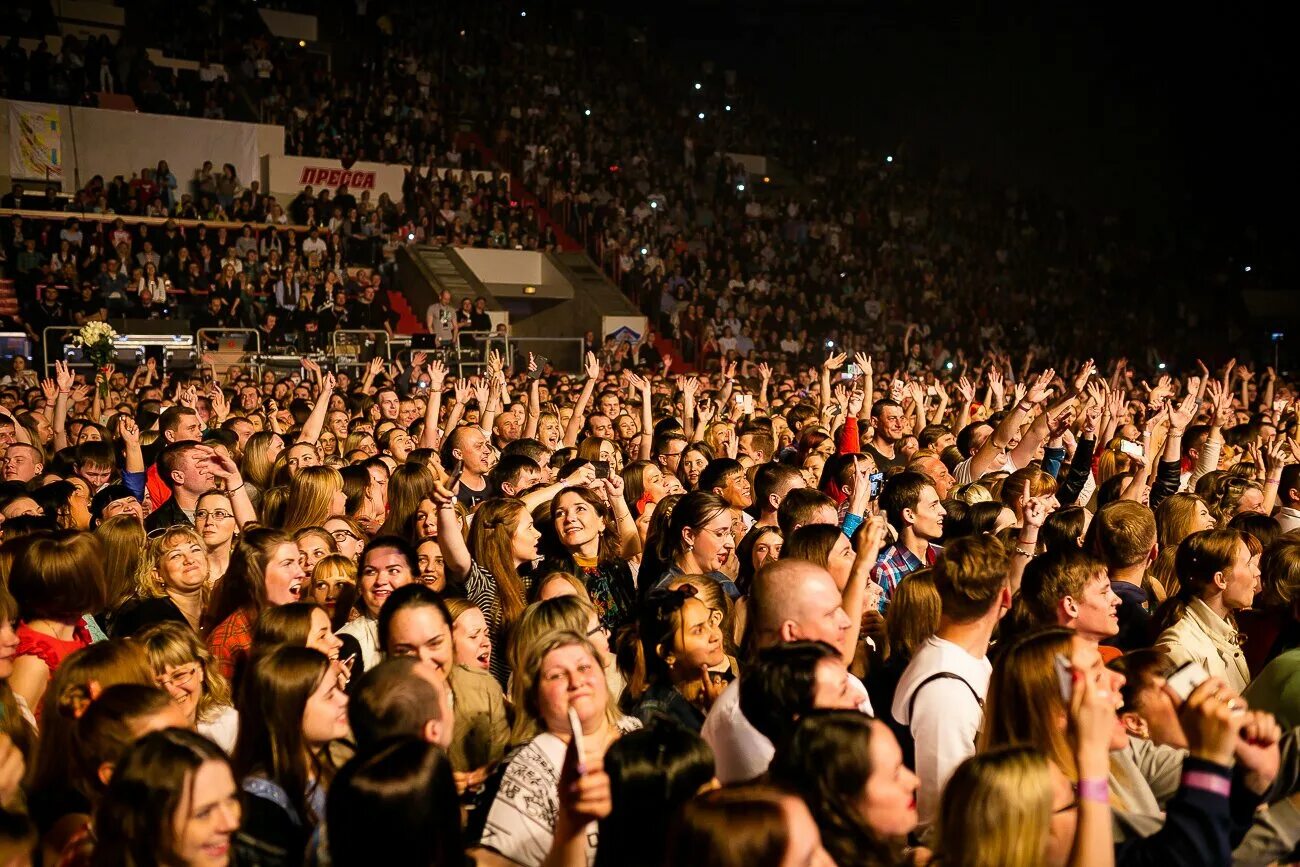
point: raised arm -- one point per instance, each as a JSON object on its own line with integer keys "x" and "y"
{"x": 533, "y": 407}
{"x": 223, "y": 467}
{"x": 764, "y": 381}
{"x": 315, "y": 422}
{"x": 63, "y": 383}
{"x": 860, "y": 591}
{"x": 429, "y": 437}
{"x": 642, "y": 385}
{"x": 966, "y": 391}
{"x": 833, "y": 362}
{"x": 451, "y": 535}
{"x": 575, "y": 421}
{"x": 865, "y": 372}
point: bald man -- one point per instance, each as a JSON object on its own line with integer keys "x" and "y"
{"x": 790, "y": 600}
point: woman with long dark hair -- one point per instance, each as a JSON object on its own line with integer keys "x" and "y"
{"x": 293, "y": 707}
{"x": 172, "y": 800}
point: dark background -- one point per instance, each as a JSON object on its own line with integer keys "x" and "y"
{"x": 1175, "y": 120}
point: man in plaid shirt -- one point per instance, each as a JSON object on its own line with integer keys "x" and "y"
{"x": 915, "y": 511}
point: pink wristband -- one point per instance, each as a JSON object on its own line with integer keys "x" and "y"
{"x": 1208, "y": 782}
{"x": 1097, "y": 791}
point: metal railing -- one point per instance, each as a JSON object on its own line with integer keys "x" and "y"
{"x": 127, "y": 348}
{"x": 352, "y": 348}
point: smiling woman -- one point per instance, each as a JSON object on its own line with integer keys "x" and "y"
{"x": 171, "y": 584}
{"x": 173, "y": 794}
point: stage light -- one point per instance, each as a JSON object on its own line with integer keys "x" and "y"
{"x": 654, "y": 205}
{"x": 530, "y": 290}
{"x": 1161, "y": 366}
{"x": 728, "y": 108}
{"x": 889, "y": 159}
{"x": 766, "y": 179}
{"x": 410, "y": 236}
{"x": 645, "y": 251}
{"x": 948, "y": 365}
{"x": 700, "y": 115}
{"x": 302, "y": 43}
{"x": 587, "y": 112}
{"x": 1247, "y": 269}
{"x": 523, "y": 13}
{"x": 698, "y": 85}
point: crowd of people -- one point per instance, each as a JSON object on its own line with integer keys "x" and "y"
{"x": 635, "y": 618}
{"x": 896, "y": 574}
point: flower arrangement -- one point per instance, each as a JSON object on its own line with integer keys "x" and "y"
{"x": 96, "y": 342}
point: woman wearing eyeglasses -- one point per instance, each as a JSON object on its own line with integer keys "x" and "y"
{"x": 180, "y": 665}
{"x": 171, "y": 584}
{"x": 214, "y": 518}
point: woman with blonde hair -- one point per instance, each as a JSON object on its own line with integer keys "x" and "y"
{"x": 567, "y": 613}
{"x": 1177, "y": 517}
{"x": 557, "y": 675}
{"x": 123, "y": 540}
{"x": 334, "y": 588}
{"x": 1024, "y": 485}
{"x": 314, "y": 544}
{"x": 171, "y": 584}
{"x": 315, "y": 495}
{"x": 182, "y": 666}
{"x": 1092, "y": 755}
{"x": 260, "y": 453}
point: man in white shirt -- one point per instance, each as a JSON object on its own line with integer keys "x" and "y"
{"x": 790, "y": 600}
{"x": 1288, "y": 517}
{"x": 940, "y": 697}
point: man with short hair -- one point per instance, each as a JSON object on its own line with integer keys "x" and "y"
{"x": 914, "y": 510}
{"x": 728, "y": 479}
{"x": 772, "y": 482}
{"x": 440, "y": 319}
{"x": 667, "y": 448}
{"x": 1123, "y": 535}
{"x": 600, "y": 425}
{"x": 389, "y": 404}
{"x": 1288, "y": 517}
{"x": 805, "y": 506}
{"x": 189, "y": 469}
{"x": 790, "y": 600}
{"x": 890, "y": 426}
{"x": 928, "y": 462}
{"x": 401, "y": 697}
{"x": 755, "y": 448}
{"x": 940, "y": 697}
{"x": 1069, "y": 587}
{"x": 23, "y": 462}
{"x": 177, "y": 424}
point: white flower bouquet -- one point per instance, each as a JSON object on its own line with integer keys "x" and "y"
{"x": 96, "y": 342}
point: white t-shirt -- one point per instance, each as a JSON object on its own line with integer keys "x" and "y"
{"x": 740, "y": 751}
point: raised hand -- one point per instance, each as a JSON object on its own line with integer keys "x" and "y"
{"x": 437, "y": 375}
{"x": 841, "y": 397}
{"x": 592, "y": 367}
{"x": 764, "y": 371}
{"x": 856, "y": 399}
{"x": 689, "y": 386}
{"x": 966, "y": 390}
{"x": 1181, "y": 416}
{"x": 1060, "y": 423}
{"x": 996, "y": 384}
{"x": 1042, "y": 386}
{"x": 640, "y": 383}
{"x": 376, "y": 366}
{"x": 1018, "y": 392}
{"x": 220, "y": 406}
{"x": 863, "y": 361}
{"x": 835, "y": 360}
{"x": 63, "y": 376}
{"x": 50, "y": 390}
{"x": 128, "y": 430}
{"x": 1085, "y": 373}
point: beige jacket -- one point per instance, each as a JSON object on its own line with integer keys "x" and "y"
{"x": 1205, "y": 637}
